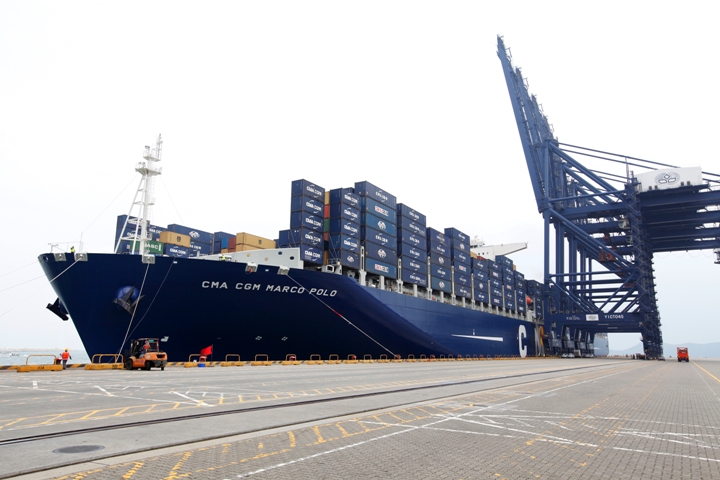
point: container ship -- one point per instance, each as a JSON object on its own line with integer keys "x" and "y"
{"x": 356, "y": 274}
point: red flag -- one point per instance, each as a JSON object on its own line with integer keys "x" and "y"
{"x": 206, "y": 351}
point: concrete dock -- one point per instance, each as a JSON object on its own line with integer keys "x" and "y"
{"x": 533, "y": 418}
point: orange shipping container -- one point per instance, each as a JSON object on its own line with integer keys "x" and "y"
{"x": 174, "y": 238}
{"x": 253, "y": 240}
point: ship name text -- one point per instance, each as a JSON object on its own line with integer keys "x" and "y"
{"x": 318, "y": 292}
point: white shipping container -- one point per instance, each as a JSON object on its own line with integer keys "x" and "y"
{"x": 667, "y": 178}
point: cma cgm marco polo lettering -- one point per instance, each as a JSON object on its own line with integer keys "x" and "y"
{"x": 349, "y": 284}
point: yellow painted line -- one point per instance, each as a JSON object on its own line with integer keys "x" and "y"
{"x": 701, "y": 368}
{"x": 53, "y": 418}
{"x": 121, "y": 412}
{"x": 291, "y": 437}
{"x": 89, "y": 415}
{"x": 133, "y": 470}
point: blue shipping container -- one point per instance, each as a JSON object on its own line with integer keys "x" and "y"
{"x": 495, "y": 283}
{"x": 456, "y": 234}
{"x": 409, "y": 263}
{"x": 415, "y": 278}
{"x": 479, "y": 265}
{"x": 519, "y": 276}
{"x": 345, "y": 227}
{"x": 407, "y": 212}
{"x": 509, "y": 304}
{"x": 481, "y": 297}
{"x": 380, "y": 268}
{"x": 377, "y": 223}
{"x": 368, "y": 205}
{"x": 341, "y": 210}
{"x": 412, "y": 251}
{"x": 463, "y": 291}
{"x": 195, "y": 235}
{"x": 497, "y": 292}
{"x": 434, "y": 246}
{"x": 480, "y": 285}
{"x": 462, "y": 268}
{"x": 378, "y": 252}
{"x": 346, "y": 196}
{"x": 367, "y": 189}
{"x": 413, "y": 226}
{"x": 311, "y": 254}
{"x": 496, "y": 301}
{"x": 436, "y": 236}
{"x": 461, "y": 257}
{"x": 440, "y": 272}
{"x": 306, "y": 220}
{"x": 344, "y": 242}
{"x": 459, "y": 245}
{"x": 368, "y": 234}
{"x": 440, "y": 284}
{"x": 307, "y": 204}
{"x": 176, "y": 251}
{"x": 301, "y": 236}
{"x": 308, "y": 189}
{"x": 465, "y": 280}
{"x": 197, "y": 249}
{"x": 495, "y": 274}
{"x": 345, "y": 258}
{"x": 406, "y": 236}
{"x": 437, "y": 259}
{"x": 480, "y": 275}
{"x": 503, "y": 261}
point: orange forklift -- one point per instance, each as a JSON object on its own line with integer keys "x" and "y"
{"x": 145, "y": 354}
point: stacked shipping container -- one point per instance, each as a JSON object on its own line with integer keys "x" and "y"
{"x": 378, "y": 229}
{"x": 343, "y": 227}
{"x": 461, "y": 261}
{"x": 412, "y": 246}
{"x": 307, "y": 214}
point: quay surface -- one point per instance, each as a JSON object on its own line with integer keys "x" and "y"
{"x": 532, "y": 418}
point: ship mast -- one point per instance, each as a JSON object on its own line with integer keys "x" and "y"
{"x": 144, "y": 199}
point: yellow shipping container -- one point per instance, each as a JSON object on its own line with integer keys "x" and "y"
{"x": 473, "y": 254}
{"x": 327, "y": 198}
{"x": 175, "y": 238}
{"x": 243, "y": 238}
{"x": 241, "y": 247}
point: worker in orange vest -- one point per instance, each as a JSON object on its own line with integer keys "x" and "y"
{"x": 65, "y": 356}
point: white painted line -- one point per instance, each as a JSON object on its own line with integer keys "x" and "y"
{"x": 104, "y": 391}
{"x": 199, "y": 402}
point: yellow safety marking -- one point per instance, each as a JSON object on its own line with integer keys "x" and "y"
{"x": 12, "y": 423}
{"x": 89, "y": 415}
{"x": 178, "y": 466}
{"x": 53, "y": 418}
{"x": 260, "y": 446}
{"x": 226, "y": 448}
{"x": 291, "y": 437}
{"x": 131, "y": 472}
{"x": 701, "y": 368}
{"x": 320, "y": 438}
{"x": 121, "y": 411}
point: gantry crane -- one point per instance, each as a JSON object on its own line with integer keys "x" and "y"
{"x": 598, "y": 265}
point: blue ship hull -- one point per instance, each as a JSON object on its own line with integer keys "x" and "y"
{"x": 197, "y": 303}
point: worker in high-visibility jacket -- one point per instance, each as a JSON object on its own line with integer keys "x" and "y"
{"x": 65, "y": 357}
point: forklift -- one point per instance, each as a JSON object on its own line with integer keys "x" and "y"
{"x": 145, "y": 354}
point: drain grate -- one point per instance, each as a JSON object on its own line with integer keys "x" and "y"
{"x": 79, "y": 449}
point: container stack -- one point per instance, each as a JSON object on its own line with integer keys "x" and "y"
{"x": 154, "y": 245}
{"x": 307, "y": 205}
{"x": 461, "y": 261}
{"x": 378, "y": 229}
{"x": 412, "y": 245}
{"x": 438, "y": 248}
{"x": 481, "y": 284}
{"x": 534, "y": 293}
{"x": 343, "y": 227}
{"x": 175, "y": 244}
{"x": 520, "y": 292}
{"x": 201, "y": 242}
{"x": 223, "y": 242}
{"x": 247, "y": 241}
{"x": 508, "y": 281}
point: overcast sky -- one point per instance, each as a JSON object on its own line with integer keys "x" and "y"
{"x": 410, "y": 96}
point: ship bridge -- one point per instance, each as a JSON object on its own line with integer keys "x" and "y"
{"x": 604, "y": 218}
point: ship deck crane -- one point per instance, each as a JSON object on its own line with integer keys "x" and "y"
{"x": 598, "y": 265}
